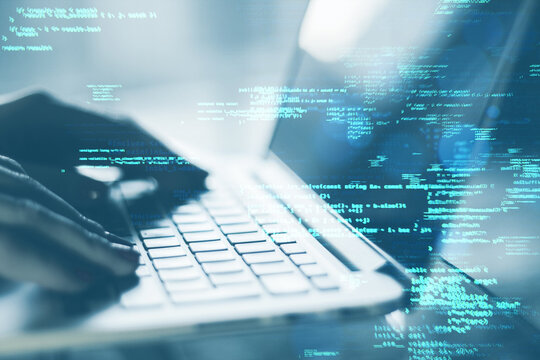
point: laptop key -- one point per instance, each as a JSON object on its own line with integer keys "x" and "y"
{"x": 266, "y": 257}
{"x": 189, "y": 228}
{"x": 157, "y": 232}
{"x": 222, "y": 267}
{"x": 302, "y": 259}
{"x": 285, "y": 284}
{"x": 272, "y": 268}
{"x": 239, "y": 228}
{"x": 146, "y": 293}
{"x": 246, "y": 238}
{"x": 282, "y": 238}
{"x": 325, "y": 283}
{"x": 227, "y": 279}
{"x": 172, "y": 263}
{"x": 202, "y": 236}
{"x": 254, "y": 247}
{"x": 312, "y": 270}
{"x": 166, "y": 252}
{"x": 189, "y": 218}
{"x": 232, "y": 219}
{"x": 213, "y": 256}
{"x": 293, "y": 248}
{"x": 207, "y": 246}
{"x": 161, "y": 242}
{"x": 271, "y": 229}
{"x": 189, "y": 273}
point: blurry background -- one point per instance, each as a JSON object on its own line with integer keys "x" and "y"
{"x": 183, "y": 54}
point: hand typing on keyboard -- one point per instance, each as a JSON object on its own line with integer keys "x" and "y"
{"x": 43, "y": 238}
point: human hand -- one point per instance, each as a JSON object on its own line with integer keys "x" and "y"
{"x": 45, "y": 240}
{"x": 50, "y": 139}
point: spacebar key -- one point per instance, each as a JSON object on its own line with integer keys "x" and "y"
{"x": 232, "y": 292}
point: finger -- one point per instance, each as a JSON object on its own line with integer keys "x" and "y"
{"x": 26, "y": 214}
{"x": 24, "y": 260}
{"x": 117, "y": 239}
{"x": 11, "y": 164}
{"x": 21, "y": 185}
{"x": 176, "y": 173}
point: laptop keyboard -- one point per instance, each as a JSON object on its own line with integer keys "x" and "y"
{"x": 216, "y": 249}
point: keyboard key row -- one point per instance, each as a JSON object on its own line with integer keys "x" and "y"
{"x": 187, "y": 283}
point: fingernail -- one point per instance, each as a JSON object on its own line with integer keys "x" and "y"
{"x": 128, "y": 253}
{"x": 117, "y": 239}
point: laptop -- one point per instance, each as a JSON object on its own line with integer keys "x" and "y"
{"x": 269, "y": 243}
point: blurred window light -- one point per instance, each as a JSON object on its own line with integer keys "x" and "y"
{"x": 331, "y": 26}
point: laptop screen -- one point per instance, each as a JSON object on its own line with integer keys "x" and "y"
{"x": 400, "y": 124}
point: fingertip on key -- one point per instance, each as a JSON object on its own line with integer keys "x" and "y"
{"x": 130, "y": 254}
{"x": 117, "y": 239}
